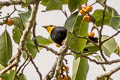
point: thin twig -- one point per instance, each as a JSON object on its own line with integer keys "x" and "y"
{"x": 93, "y": 3}
{"x": 22, "y": 64}
{"x": 50, "y": 49}
{"x": 9, "y": 14}
{"x": 37, "y": 70}
{"x": 93, "y": 60}
{"x": 108, "y": 74}
{"x": 100, "y": 32}
{"x": 14, "y": 63}
{"x": 8, "y": 3}
{"x": 64, "y": 12}
{"x": 34, "y": 36}
{"x": 50, "y": 74}
{"x": 110, "y": 37}
{"x": 25, "y": 66}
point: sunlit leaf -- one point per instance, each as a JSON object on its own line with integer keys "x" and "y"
{"x": 75, "y": 4}
{"x": 54, "y": 5}
{"x": 70, "y": 22}
{"x": 18, "y": 23}
{"x": 104, "y": 78}
{"x": 98, "y": 15}
{"x": 1, "y": 67}
{"x": 44, "y": 2}
{"x": 1, "y": 6}
{"x": 9, "y": 75}
{"x": 109, "y": 46}
{"x": 80, "y": 68}
{"x": 18, "y": 29}
{"x": 72, "y": 4}
{"x": 5, "y": 48}
{"x": 115, "y": 22}
{"x": 21, "y": 77}
{"x": 24, "y": 17}
{"x": 43, "y": 40}
{"x": 100, "y": 2}
{"x": 91, "y": 48}
{"x": 64, "y": 1}
{"x": 80, "y": 28}
{"x": 31, "y": 47}
{"x": 17, "y": 35}
{"x": 111, "y": 11}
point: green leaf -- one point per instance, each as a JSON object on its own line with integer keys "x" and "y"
{"x": 115, "y": 22}
{"x": 9, "y": 75}
{"x": 99, "y": 59}
{"x": 98, "y": 14}
{"x": 109, "y": 46}
{"x": 100, "y": 2}
{"x": 21, "y": 77}
{"x": 83, "y": 1}
{"x": 1, "y": 6}
{"x": 18, "y": 29}
{"x": 74, "y": 4}
{"x": 18, "y": 23}
{"x": 44, "y": 41}
{"x": 91, "y": 48}
{"x": 54, "y": 5}
{"x": 31, "y": 47}
{"x": 80, "y": 68}
{"x": 80, "y": 28}
{"x": 44, "y": 2}
{"x": 24, "y": 17}
{"x": 104, "y": 78}
{"x": 1, "y": 67}
{"x": 111, "y": 11}
{"x": 64, "y": 1}
{"x": 70, "y": 22}
{"x": 5, "y": 48}
{"x": 16, "y": 34}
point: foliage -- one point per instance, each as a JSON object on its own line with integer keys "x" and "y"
{"x": 80, "y": 45}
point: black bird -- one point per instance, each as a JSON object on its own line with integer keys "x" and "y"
{"x": 57, "y": 33}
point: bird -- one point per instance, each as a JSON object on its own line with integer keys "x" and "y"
{"x": 57, "y": 34}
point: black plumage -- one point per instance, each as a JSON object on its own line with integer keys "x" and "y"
{"x": 58, "y": 34}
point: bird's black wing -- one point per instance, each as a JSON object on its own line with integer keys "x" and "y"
{"x": 58, "y": 34}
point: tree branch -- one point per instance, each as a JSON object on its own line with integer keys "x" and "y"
{"x": 37, "y": 70}
{"x": 47, "y": 48}
{"x": 59, "y": 60}
{"x": 93, "y": 60}
{"x": 100, "y": 32}
{"x": 8, "y": 3}
{"x": 50, "y": 74}
{"x": 23, "y": 38}
{"x": 108, "y": 74}
{"x": 110, "y": 37}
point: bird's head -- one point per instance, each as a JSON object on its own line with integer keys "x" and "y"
{"x": 49, "y": 28}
